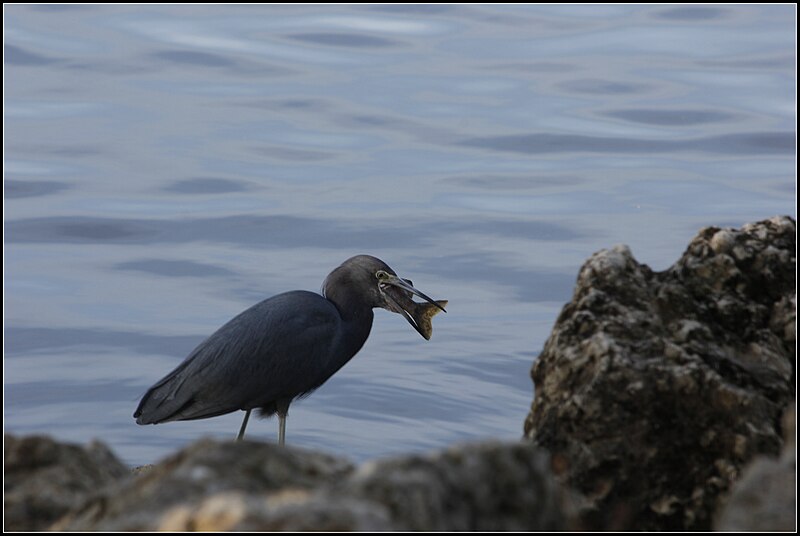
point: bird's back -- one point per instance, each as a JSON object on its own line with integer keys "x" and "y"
{"x": 278, "y": 349}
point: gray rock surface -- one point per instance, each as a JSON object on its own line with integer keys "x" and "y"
{"x": 248, "y": 486}
{"x": 44, "y": 479}
{"x": 485, "y": 487}
{"x": 765, "y": 498}
{"x": 289, "y": 510}
{"x": 655, "y": 389}
{"x": 203, "y": 470}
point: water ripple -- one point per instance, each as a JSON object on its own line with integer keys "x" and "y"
{"x": 14, "y": 189}
{"x": 753, "y": 143}
{"x": 345, "y": 40}
{"x": 285, "y": 231}
{"x": 13, "y": 55}
{"x": 206, "y": 185}
{"x": 174, "y": 268}
{"x": 677, "y": 118}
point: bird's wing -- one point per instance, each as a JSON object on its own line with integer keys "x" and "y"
{"x": 274, "y": 350}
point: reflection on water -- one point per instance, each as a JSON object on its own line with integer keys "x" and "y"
{"x": 168, "y": 166}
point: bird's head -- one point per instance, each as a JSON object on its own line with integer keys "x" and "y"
{"x": 367, "y": 280}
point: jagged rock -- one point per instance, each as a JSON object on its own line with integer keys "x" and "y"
{"x": 655, "y": 389}
{"x": 249, "y": 486}
{"x": 43, "y": 479}
{"x": 204, "y": 469}
{"x": 765, "y": 498}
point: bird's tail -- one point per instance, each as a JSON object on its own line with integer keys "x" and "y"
{"x": 163, "y": 401}
{"x": 168, "y": 400}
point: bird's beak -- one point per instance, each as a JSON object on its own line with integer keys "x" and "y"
{"x": 405, "y": 284}
{"x": 397, "y": 292}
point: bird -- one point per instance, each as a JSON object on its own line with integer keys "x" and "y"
{"x": 282, "y": 348}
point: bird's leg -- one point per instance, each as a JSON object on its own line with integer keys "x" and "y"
{"x": 283, "y": 412}
{"x": 281, "y": 430}
{"x": 244, "y": 425}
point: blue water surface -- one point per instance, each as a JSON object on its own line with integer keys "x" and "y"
{"x": 166, "y": 167}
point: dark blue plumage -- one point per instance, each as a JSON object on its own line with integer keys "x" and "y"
{"x": 277, "y": 350}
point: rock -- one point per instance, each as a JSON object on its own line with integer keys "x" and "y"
{"x": 248, "y": 486}
{"x": 203, "y": 470}
{"x": 655, "y": 389}
{"x": 480, "y": 487}
{"x": 765, "y": 498}
{"x": 43, "y": 479}
{"x": 291, "y": 510}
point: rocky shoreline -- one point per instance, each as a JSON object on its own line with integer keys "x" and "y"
{"x": 663, "y": 401}
{"x": 655, "y": 389}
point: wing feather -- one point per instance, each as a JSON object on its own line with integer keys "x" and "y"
{"x": 280, "y": 348}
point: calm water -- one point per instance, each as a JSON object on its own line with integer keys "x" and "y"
{"x": 167, "y": 167}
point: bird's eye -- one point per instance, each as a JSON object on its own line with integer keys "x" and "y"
{"x": 381, "y": 275}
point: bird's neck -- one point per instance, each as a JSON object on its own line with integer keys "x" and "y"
{"x": 355, "y": 309}
{"x": 357, "y": 327}
{"x": 356, "y": 324}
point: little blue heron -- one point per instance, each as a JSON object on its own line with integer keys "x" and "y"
{"x": 281, "y": 348}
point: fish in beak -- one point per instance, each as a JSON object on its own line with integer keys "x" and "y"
{"x": 398, "y": 293}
